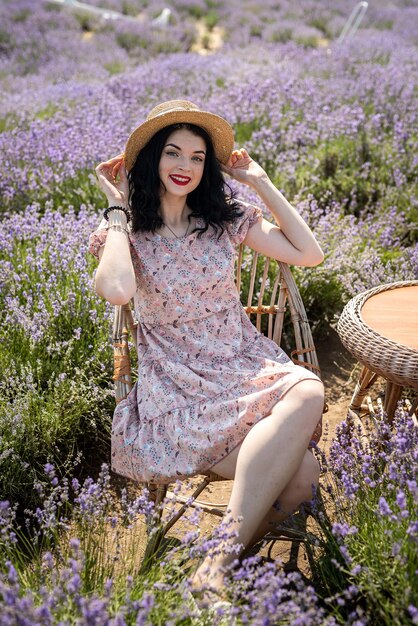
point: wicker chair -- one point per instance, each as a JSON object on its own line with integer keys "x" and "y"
{"x": 282, "y": 318}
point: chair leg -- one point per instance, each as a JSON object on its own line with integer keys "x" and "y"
{"x": 205, "y": 482}
{"x": 155, "y": 529}
{"x": 157, "y": 495}
{"x": 151, "y": 549}
{"x": 155, "y": 532}
{"x": 295, "y": 537}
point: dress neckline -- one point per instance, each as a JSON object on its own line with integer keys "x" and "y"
{"x": 183, "y": 237}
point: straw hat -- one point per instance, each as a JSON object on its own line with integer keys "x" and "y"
{"x": 178, "y": 112}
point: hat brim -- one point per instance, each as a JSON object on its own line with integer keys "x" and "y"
{"x": 218, "y": 129}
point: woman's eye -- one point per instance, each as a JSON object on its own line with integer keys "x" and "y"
{"x": 198, "y": 159}
{"x": 171, "y": 153}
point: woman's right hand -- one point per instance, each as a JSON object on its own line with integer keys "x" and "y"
{"x": 113, "y": 180}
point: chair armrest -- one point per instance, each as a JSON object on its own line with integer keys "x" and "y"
{"x": 123, "y": 324}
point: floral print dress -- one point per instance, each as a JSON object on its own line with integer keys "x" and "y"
{"x": 206, "y": 375}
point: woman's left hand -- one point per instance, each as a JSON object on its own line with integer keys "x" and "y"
{"x": 242, "y": 168}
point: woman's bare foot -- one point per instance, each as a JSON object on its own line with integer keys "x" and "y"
{"x": 207, "y": 584}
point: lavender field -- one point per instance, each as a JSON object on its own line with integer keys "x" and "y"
{"x": 335, "y": 125}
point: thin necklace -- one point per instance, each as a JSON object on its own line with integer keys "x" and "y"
{"x": 177, "y": 236}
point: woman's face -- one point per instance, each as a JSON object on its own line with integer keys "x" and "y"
{"x": 182, "y": 162}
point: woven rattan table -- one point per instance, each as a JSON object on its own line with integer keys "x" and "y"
{"x": 380, "y": 329}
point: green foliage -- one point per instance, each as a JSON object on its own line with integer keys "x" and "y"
{"x": 282, "y": 36}
{"x": 323, "y": 296}
{"x": 76, "y": 191}
{"x": 194, "y": 10}
{"x": 211, "y": 19}
{"x": 256, "y": 30}
{"x": 6, "y": 41}
{"x": 44, "y": 420}
{"x": 131, "y": 41}
{"x": 85, "y": 20}
{"x": 52, "y": 7}
{"x": 244, "y": 130}
{"x": 130, "y": 8}
{"x": 214, "y": 4}
{"x": 166, "y": 46}
{"x": 49, "y": 111}
{"x": 21, "y": 16}
{"x": 115, "y": 68}
{"x": 321, "y": 24}
{"x": 381, "y": 58}
{"x": 383, "y": 24}
{"x": 8, "y": 122}
{"x": 307, "y": 42}
{"x": 205, "y": 42}
{"x": 367, "y": 542}
{"x": 336, "y": 173}
{"x": 55, "y": 360}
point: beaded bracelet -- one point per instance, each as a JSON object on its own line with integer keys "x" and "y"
{"x": 117, "y": 208}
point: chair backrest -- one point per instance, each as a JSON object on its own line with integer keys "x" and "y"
{"x": 270, "y": 298}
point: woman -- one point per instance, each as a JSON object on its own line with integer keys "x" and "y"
{"x": 213, "y": 392}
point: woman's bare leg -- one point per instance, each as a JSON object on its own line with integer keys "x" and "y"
{"x": 299, "y": 489}
{"x": 262, "y": 467}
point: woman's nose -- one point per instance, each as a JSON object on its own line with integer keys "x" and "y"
{"x": 184, "y": 163}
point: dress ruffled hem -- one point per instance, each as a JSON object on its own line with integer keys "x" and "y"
{"x": 314, "y": 439}
{"x": 135, "y": 454}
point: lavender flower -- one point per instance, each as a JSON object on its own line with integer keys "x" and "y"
{"x": 333, "y": 125}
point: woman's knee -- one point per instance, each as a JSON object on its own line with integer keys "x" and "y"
{"x": 306, "y": 399}
{"x": 311, "y": 397}
{"x": 311, "y": 392}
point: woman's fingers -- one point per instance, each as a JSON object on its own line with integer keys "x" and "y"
{"x": 113, "y": 180}
{"x": 109, "y": 169}
{"x": 119, "y": 170}
{"x": 114, "y": 161}
{"x": 240, "y": 160}
{"x": 238, "y": 155}
{"x": 233, "y": 158}
{"x": 116, "y": 168}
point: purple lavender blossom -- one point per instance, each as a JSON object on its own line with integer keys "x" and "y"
{"x": 374, "y": 533}
{"x": 334, "y": 127}
{"x": 384, "y": 507}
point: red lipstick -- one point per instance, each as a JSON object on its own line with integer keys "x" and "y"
{"x": 180, "y": 180}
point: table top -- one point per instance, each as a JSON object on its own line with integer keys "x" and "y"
{"x": 380, "y": 328}
{"x": 394, "y": 314}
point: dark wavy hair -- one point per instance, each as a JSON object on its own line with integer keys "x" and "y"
{"x": 213, "y": 200}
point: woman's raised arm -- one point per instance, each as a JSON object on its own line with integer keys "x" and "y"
{"x": 291, "y": 241}
{"x": 115, "y": 276}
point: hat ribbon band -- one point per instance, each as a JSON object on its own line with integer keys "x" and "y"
{"x": 182, "y": 109}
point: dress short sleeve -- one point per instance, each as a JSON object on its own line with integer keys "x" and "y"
{"x": 97, "y": 239}
{"x": 238, "y": 229}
